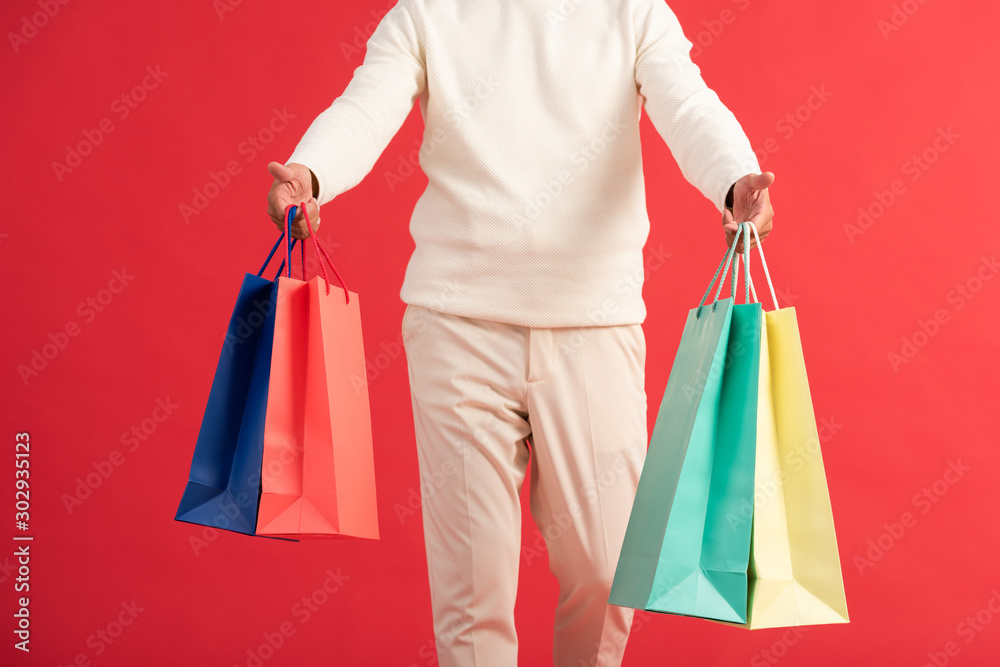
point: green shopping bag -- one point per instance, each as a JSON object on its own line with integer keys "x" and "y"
{"x": 680, "y": 555}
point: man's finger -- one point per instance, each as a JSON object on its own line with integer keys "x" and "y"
{"x": 275, "y": 210}
{"x": 728, "y": 223}
{"x": 762, "y": 181}
{"x": 280, "y": 172}
{"x": 277, "y": 207}
{"x": 763, "y": 222}
{"x": 312, "y": 208}
{"x": 300, "y": 231}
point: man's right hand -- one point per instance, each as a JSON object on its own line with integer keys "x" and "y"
{"x": 293, "y": 184}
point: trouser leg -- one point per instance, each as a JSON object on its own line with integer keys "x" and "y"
{"x": 587, "y": 402}
{"x": 470, "y": 425}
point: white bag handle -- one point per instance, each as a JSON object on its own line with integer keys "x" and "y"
{"x": 763, "y": 263}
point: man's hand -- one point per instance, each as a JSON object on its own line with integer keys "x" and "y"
{"x": 750, "y": 203}
{"x": 293, "y": 184}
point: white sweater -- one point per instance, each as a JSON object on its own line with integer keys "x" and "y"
{"x": 535, "y": 210}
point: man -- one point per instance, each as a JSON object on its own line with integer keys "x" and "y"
{"x": 523, "y": 322}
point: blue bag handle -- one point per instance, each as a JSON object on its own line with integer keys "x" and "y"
{"x": 291, "y": 216}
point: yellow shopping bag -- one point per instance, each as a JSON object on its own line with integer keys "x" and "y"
{"x": 794, "y": 574}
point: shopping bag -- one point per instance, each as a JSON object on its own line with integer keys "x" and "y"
{"x": 795, "y": 572}
{"x": 223, "y": 487}
{"x": 679, "y": 554}
{"x": 317, "y": 470}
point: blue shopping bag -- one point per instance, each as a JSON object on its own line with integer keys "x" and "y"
{"x": 223, "y": 489}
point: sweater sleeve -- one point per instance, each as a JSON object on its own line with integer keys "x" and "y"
{"x": 344, "y": 141}
{"x": 703, "y": 135}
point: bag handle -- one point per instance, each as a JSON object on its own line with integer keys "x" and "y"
{"x": 271, "y": 254}
{"x": 289, "y": 217}
{"x": 746, "y": 268}
{"x": 744, "y": 229}
{"x": 321, "y": 252}
{"x": 763, "y": 262}
{"x": 724, "y": 270}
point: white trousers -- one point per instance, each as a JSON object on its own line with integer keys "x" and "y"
{"x": 482, "y": 392}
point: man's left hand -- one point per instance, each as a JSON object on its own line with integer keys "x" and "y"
{"x": 750, "y": 202}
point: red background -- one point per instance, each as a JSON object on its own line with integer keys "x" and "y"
{"x": 857, "y": 298}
